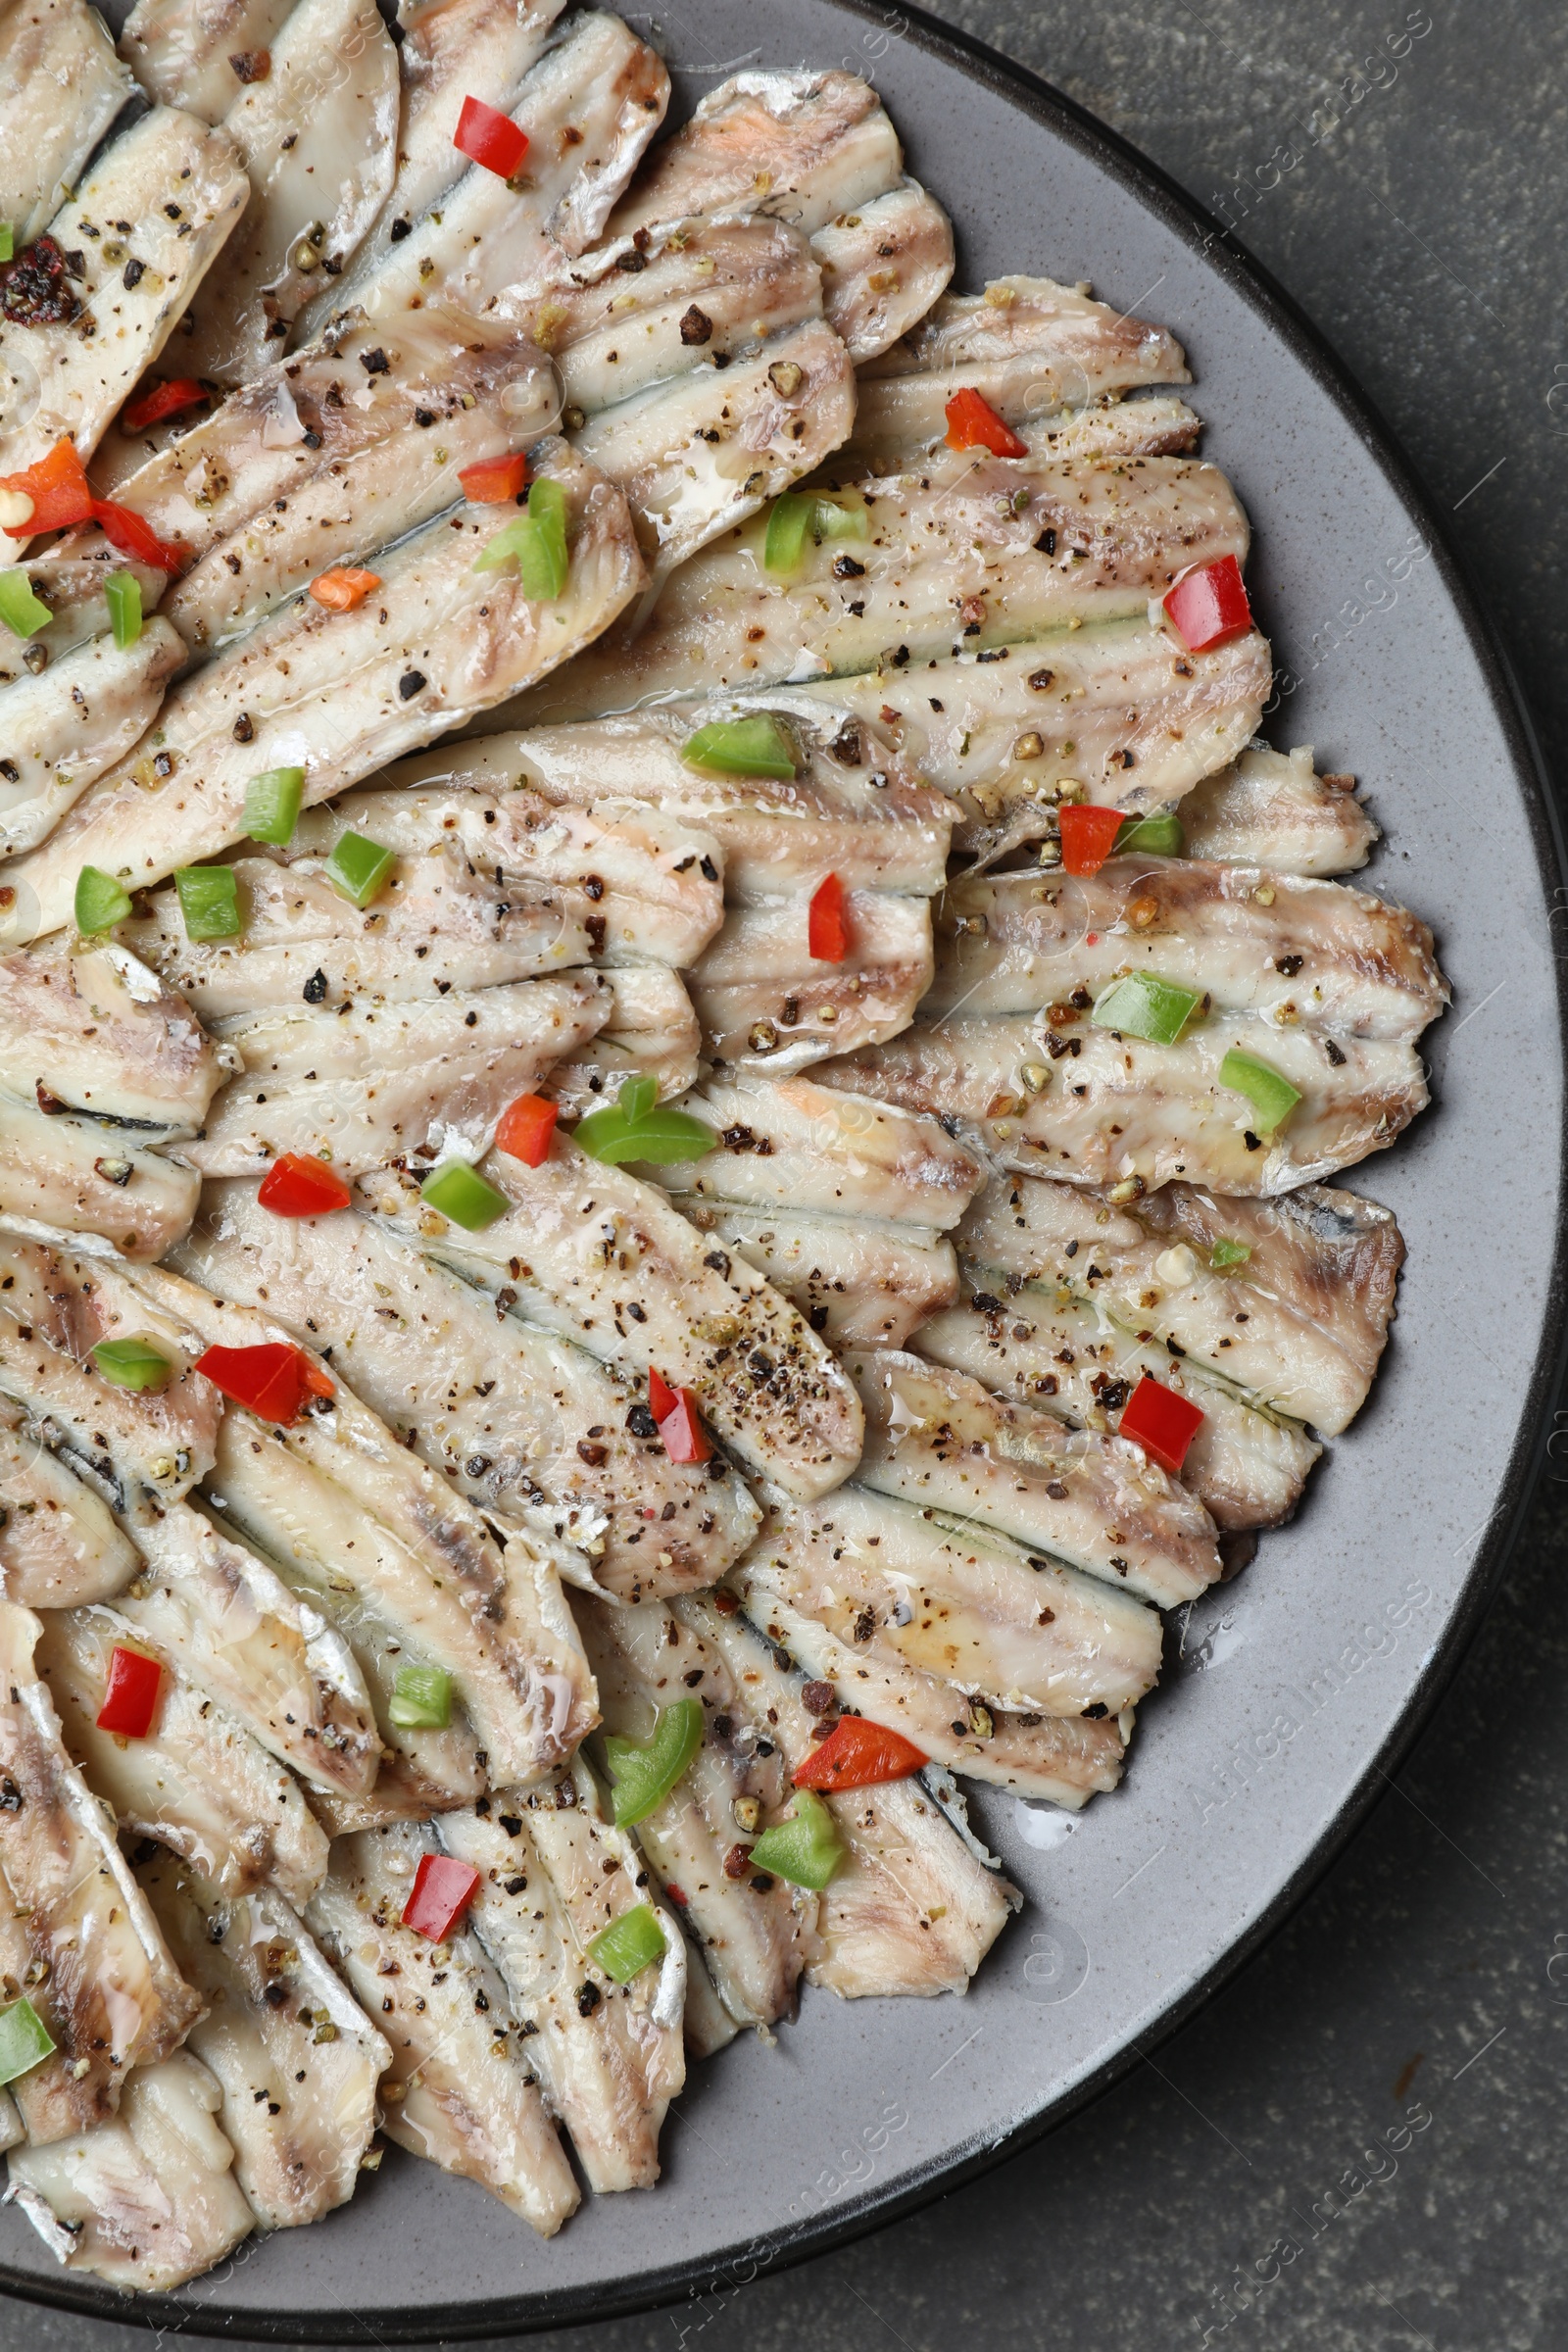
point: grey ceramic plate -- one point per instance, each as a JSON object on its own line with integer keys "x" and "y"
{"x": 1289, "y": 1693}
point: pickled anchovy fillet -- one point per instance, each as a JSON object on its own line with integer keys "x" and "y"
{"x": 459, "y": 2090}
{"x": 974, "y": 553}
{"x": 581, "y": 1238}
{"x": 63, "y": 1175}
{"x": 58, "y": 1545}
{"x": 1296, "y": 1314}
{"x": 182, "y": 50}
{"x": 1108, "y": 1108}
{"x": 374, "y": 1082}
{"x": 148, "y": 2200}
{"x": 1287, "y": 948}
{"x": 1272, "y": 809}
{"x": 168, "y": 174}
{"x": 652, "y": 1029}
{"x": 1246, "y": 1468}
{"x": 883, "y": 266}
{"x": 895, "y": 424}
{"x": 298, "y": 2060}
{"x": 503, "y": 1409}
{"x": 198, "y": 1782}
{"x": 79, "y": 1937}
{"x": 318, "y": 136}
{"x": 64, "y": 727}
{"x": 338, "y": 693}
{"x": 610, "y": 2056}
{"x": 96, "y": 1031}
{"x": 61, "y": 88}
{"x": 764, "y": 1001}
{"x": 859, "y": 1282}
{"x": 910, "y": 1909}
{"x": 754, "y": 1939}
{"x": 1099, "y": 1504}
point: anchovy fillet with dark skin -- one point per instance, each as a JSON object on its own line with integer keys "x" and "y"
{"x": 60, "y": 1174}
{"x": 58, "y": 1545}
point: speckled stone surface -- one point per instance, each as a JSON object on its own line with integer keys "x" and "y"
{"x": 1361, "y": 2142}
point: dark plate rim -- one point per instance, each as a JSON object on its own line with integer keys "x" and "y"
{"x": 781, "y": 2249}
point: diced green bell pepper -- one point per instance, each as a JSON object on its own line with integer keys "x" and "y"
{"x": 645, "y": 1771}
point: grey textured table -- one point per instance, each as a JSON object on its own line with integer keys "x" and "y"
{"x": 1241, "y": 2186}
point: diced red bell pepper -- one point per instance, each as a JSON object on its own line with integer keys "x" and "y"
{"x": 494, "y": 481}
{"x": 1162, "y": 1423}
{"x": 661, "y": 1397}
{"x": 344, "y": 588}
{"x": 489, "y": 137}
{"x": 827, "y": 930}
{"x": 973, "y": 423}
{"x": 272, "y": 1380}
{"x": 1088, "y": 837}
{"x": 131, "y": 1694}
{"x": 297, "y": 1186}
{"x": 685, "y": 1440}
{"x": 443, "y": 1888}
{"x": 526, "y": 1129}
{"x": 58, "y": 488}
{"x": 135, "y": 537}
{"x": 162, "y": 400}
{"x": 1208, "y": 605}
{"x": 855, "y": 1755}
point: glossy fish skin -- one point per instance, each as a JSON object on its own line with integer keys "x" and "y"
{"x": 1282, "y": 949}
{"x": 609, "y": 2067}
{"x": 459, "y": 2090}
{"x": 318, "y": 136}
{"x": 1115, "y": 1108}
{"x": 1272, "y": 809}
{"x": 93, "y": 1030}
{"x": 502, "y": 1408}
{"x": 947, "y": 1444}
{"x": 1094, "y": 542}
{"x": 1246, "y": 1468}
{"x": 376, "y": 1082}
{"x": 53, "y": 379}
{"x": 63, "y": 1175}
{"x": 61, "y": 88}
{"x": 911, "y": 1909}
{"x": 754, "y": 1939}
{"x": 64, "y": 728}
{"x": 1299, "y": 1325}
{"x": 325, "y": 690}
{"x": 595, "y": 1237}
{"x": 181, "y": 49}
{"x": 883, "y": 266}
{"x": 297, "y": 2058}
{"x": 198, "y": 1783}
{"x": 147, "y": 2200}
{"x": 81, "y": 1938}
{"x": 895, "y": 424}
{"x": 651, "y": 1028}
{"x": 859, "y": 1282}
{"x": 58, "y": 1545}
{"x": 436, "y": 926}
{"x": 763, "y": 1001}
{"x": 1064, "y": 1759}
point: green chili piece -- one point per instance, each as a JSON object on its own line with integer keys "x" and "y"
{"x": 805, "y": 1849}
{"x": 645, "y": 1771}
{"x": 788, "y": 519}
{"x": 209, "y": 901}
{"x": 122, "y": 595}
{"x": 742, "y": 747}
{"x": 101, "y": 901}
{"x": 536, "y": 542}
{"x": 460, "y": 1193}
{"x": 22, "y": 612}
{"x": 1271, "y": 1093}
{"x": 634, "y": 1127}
{"x": 7, "y": 237}
{"x": 830, "y": 521}
{"x": 1141, "y": 1005}
{"x": 272, "y": 805}
{"x": 1229, "y": 1253}
{"x": 132, "y": 1365}
{"x": 421, "y": 1700}
{"x": 358, "y": 867}
{"x": 629, "y": 1944}
{"x": 25, "y": 2041}
{"x": 1160, "y": 835}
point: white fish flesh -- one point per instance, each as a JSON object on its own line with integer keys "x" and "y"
{"x": 1246, "y": 1467}
{"x": 1099, "y": 1504}
{"x": 183, "y": 50}
{"x": 58, "y": 1545}
{"x": 79, "y": 1935}
{"x": 1297, "y": 1320}
{"x": 459, "y": 2090}
{"x": 93, "y": 1030}
{"x": 1272, "y": 809}
{"x": 69, "y": 1175}
{"x": 1287, "y": 949}
{"x": 339, "y": 692}
{"x": 1113, "y": 1108}
{"x": 515, "y": 1417}
{"x": 652, "y": 1029}
{"x": 955, "y": 559}
{"x": 883, "y": 266}
{"x": 610, "y": 2057}
{"x": 1148, "y": 424}
{"x": 198, "y": 1782}
{"x": 583, "y": 1243}
{"x": 764, "y": 1001}
{"x": 64, "y": 727}
{"x": 296, "y": 2056}
{"x": 317, "y": 137}
{"x": 371, "y": 1082}
{"x": 148, "y": 2200}
{"x": 182, "y": 187}
{"x": 859, "y": 1282}
{"x": 61, "y": 88}
{"x": 911, "y": 1909}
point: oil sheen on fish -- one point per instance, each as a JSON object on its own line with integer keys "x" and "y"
{"x": 859, "y": 1282}
{"x": 1272, "y": 809}
{"x": 61, "y": 88}
{"x": 60, "y": 1174}
{"x": 64, "y": 727}
{"x": 883, "y": 266}
{"x": 184, "y": 51}
{"x": 93, "y": 1030}
{"x": 58, "y": 1545}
